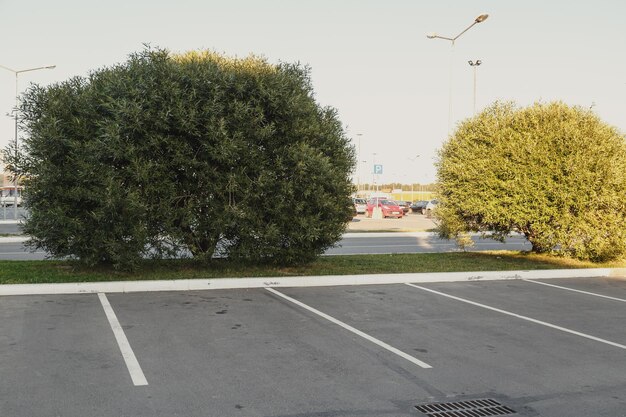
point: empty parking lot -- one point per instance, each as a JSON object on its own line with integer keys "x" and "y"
{"x": 376, "y": 350}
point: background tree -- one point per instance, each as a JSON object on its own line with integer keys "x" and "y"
{"x": 195, "y": 152}
{"x": 553, "y": 172}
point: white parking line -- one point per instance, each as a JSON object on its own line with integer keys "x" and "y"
{"x": 353, "y": 330}
{"x": 543, "y": 323}
{"x": 574, "y": 290}
{"x": 134, "y": 369}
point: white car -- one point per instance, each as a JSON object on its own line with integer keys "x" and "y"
{"x": 7, "y": 196}
{"x": 430, "y": 207}
{"x": 360, "y": 204}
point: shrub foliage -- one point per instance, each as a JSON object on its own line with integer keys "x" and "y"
{"x": 553, "y": 172}
{"x": 197, "y": 152}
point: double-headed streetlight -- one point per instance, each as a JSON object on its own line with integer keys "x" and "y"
{"x": 475, "y": 64}
{"x": 479, "y": 19}
{"x": 17, "y": 98}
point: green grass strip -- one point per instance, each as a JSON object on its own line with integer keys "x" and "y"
{"x": 23, "y": 272}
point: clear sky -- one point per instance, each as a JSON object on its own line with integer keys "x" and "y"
{"x": 371, "y": 60}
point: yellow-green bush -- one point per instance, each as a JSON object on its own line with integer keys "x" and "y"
{"x": 553, "y": 172}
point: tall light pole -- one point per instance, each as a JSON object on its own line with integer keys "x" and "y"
{"x": 475, "y": 65}
{"x": 412, "y": 194}
{"x": 377, "y": 212}
{"x": 364, "y": 162}
{"x": 479, "y": 19}
{"x": 358, "y": 169}
{"x": 374, "y": 171}
{"x": 17, "y": 98}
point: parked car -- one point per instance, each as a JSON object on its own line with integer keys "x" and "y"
{"x": 430, "y": 207}
{"x": 389, "y": 208}
{"x": 7, "y": 196}
{"x": 404, "y": 205}
{"x": 419, "y": 206}
{"x": 360, "y": 204}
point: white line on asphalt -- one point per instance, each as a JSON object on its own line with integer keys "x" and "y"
{"x": 543, "y": 323}
{"x": 572, "y": 289}
{"x": 353, "y": 330}
{"x": 377, "y": 253}
{"x": 418, "y": 245}
{"x": 396, "y": 246}
{"x": 22, "y": 253}
{"x": 134, "y": 369}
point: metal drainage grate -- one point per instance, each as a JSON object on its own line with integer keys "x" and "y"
{"x": 470, "y": 408}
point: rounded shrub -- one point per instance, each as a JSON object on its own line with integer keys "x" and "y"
{"x": 553, "y": 172}
{"x": 195, "y": 153}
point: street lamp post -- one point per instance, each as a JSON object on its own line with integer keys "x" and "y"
{"x": 475, "y": 65}
{"x": 452, "y": 40}
{"x": 377, "y": 212}
{"x": 374, "y": 172}
{"x": 17, "y": 98}
{"x": 479, "y": 19}
{"x": 364, "y": 162}
{"x": 412, "y": 193}
{"x": 358, "y": 169}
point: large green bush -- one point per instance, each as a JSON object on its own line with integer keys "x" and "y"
{"x": 199, "y": 153}
{"x": 553, "y": 172}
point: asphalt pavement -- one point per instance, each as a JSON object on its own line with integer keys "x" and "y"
{"x": 10, "y": 227}
{"x": 417, "y": 242}
{"x": 7, "y": 214}
{"x": 516, "y": 347}
{"x": 555, "y": 350}
{"x": 364, "y": 236}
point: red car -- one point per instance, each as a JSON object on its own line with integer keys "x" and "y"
{"x": 389, "y": 208}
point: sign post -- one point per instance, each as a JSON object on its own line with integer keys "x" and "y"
{"x": 377, "y": 213}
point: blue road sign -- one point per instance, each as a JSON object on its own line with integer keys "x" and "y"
{"x": 378, "y": 169}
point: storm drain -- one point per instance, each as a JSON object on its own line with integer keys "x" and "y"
{"x": 469, "y": 408}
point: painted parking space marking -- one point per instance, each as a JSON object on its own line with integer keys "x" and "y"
{"x": 130, "y": 359}
{"x": 575, "y": 290}
{"x": 353, "y": 330}
{"x": 508, "y": 313}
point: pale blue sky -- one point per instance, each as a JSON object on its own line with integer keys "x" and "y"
{"x": 370, "y": 59}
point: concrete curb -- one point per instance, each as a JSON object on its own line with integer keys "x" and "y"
{"x": 24, "y": 238}
{"x": 349, "y": 235}
{"x": 14, "y": 239}
{"x": 312, "y": 281}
